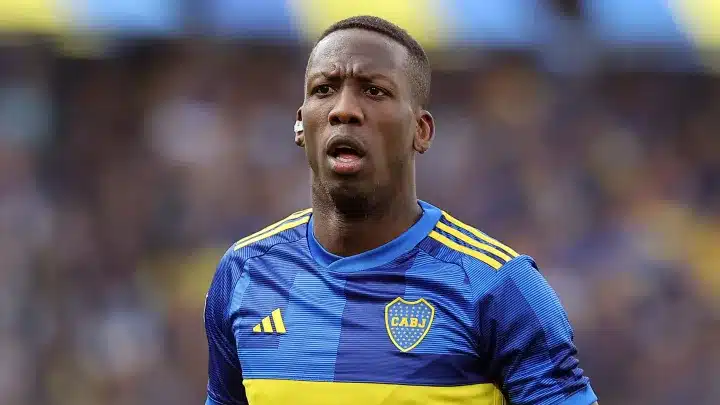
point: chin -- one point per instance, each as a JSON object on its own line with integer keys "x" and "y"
{"x": 350, "y": 198}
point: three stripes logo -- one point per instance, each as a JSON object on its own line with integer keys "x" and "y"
{"x": 266, "y": 325}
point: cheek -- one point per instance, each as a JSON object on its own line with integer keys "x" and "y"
{"x": 312, "y": 129}
{"x": 315, "y": 120}
{"x": 401, "y": 133}
{"x": 312, "y": 150}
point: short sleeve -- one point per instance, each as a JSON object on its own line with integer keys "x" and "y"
{"x": 225, "y": 384}
{"x": 527, "y": 333}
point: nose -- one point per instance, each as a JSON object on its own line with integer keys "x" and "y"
{"x": 347, "y": 110}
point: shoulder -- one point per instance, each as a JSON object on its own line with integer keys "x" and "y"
{"x": 290, "y": 229}
{"x": 287, "y": 230}
{"x": 480, "y": 254}
{"x": 495, "y": 272}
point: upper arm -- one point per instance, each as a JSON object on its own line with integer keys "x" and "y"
{"x": 225, "y": 385}
{"x": 530, "y": 340}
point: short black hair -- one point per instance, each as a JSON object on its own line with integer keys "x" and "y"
{"x": 418, "y": 65}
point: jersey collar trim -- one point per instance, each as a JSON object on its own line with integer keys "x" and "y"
{"x": 380, "y": 255}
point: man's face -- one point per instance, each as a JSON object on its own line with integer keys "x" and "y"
{"x": 359, "y": 122}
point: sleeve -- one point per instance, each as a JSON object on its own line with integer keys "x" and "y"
{"x": 225, "y": 384}
{"x": 528, "y": 335}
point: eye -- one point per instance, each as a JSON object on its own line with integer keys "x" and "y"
{"x": 375, "y": 91}
{"x": 323, "y": 90}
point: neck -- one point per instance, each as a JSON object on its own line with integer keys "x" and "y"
{"x": 346, "y": 235}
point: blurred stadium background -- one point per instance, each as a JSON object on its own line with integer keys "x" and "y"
{"x": 138, "y": 139}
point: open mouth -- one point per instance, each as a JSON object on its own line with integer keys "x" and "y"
{"x": 346, "y": 155}
{"x": 345, "y": 148}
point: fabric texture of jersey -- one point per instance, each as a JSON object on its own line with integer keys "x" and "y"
{"x": 444, "y": 314}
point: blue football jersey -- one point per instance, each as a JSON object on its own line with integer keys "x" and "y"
{"x": 444, "y": 314}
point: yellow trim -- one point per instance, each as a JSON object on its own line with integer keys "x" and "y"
{"x": 285, "y": 391}
{"x": 462, "y": 249}
{"x": 277, "y": 230}
{"x": 257, "y": 328}
{"x": 463, "y": 237}
{"x": 267, "y": 326}
{"x": 387, "y": 324}
{"x": 269, "y": 227}
{"x": 277, "y": 319}
{"x": 479, "y": 234}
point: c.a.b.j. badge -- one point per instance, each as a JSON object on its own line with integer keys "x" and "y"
{"x": 408, "y": 322}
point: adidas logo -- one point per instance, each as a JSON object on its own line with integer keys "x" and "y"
{"x": 266, "y": 326}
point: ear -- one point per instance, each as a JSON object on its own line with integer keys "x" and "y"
{"x": 425, "y": 132}
{"x": 299, "y": 133}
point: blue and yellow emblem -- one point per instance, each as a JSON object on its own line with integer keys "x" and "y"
{"x": 408, "y": 322}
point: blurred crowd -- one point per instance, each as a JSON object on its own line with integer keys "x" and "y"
{"x": 124, "y": 178}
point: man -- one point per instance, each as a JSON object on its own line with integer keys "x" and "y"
{"x": 372, "y": 296}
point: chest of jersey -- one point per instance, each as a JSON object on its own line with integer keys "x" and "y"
{"x": 398, "y": 334}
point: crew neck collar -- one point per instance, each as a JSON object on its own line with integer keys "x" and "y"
{"x": 380, "y": 255}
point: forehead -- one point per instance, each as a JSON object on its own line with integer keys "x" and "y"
{"x": 360, "y": 51}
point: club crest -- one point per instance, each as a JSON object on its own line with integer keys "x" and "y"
{"x": 408, "y": 322}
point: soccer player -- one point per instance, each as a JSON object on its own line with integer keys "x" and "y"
{"x": 373, "y": 296}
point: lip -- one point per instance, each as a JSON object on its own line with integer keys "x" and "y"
{"x": 346, "y": 141}
{"x": 345, "y": 165}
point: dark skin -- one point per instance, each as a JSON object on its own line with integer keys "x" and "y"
{"x": 357, "y": 88}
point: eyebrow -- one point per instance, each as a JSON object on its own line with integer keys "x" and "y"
{"x": 362, "y": 76}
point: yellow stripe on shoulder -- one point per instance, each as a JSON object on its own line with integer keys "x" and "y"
{"x": 276, "y": 224}
{"x": 283, "y": 227}
{"x": 510, "y": 252}
{"x": 462, "y": 249}
{"x": 285, "y": 224}
{"x": 473, "y": 242}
